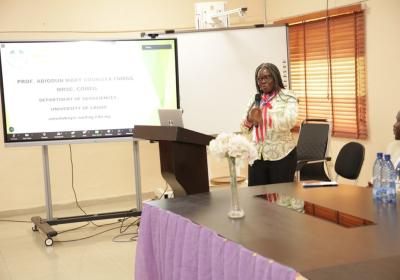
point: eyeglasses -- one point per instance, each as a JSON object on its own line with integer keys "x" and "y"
{"x": 264, "y": 79}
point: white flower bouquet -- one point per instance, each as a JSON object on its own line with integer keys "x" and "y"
{"x": 233, "y": 145}
{"x": 236, "y": 148}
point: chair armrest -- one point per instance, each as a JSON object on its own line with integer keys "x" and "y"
{"x": 303, "y": 162}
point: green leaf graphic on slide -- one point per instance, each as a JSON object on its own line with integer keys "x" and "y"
{"x": 157, "y": 63}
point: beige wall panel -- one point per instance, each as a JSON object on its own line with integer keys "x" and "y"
{"x": 277, "y": 9}
{"x": 21, "y": 178}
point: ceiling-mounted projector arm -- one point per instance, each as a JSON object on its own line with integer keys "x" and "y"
{"x": 240, "y": 11}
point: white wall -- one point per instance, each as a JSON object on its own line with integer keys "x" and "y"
{"x": 106, "y": 170}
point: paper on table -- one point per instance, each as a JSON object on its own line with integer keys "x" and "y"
{"x": 320, "y": 184}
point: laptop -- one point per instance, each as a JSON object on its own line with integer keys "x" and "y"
{"x": 171, "y": 117}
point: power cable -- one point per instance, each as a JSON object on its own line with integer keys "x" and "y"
{"x": 73, "y": 184}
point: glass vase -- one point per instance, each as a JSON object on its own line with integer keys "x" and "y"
{"x": 235, "y": 212}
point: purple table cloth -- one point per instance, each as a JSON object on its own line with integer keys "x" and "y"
{"x": 171, "y": 247}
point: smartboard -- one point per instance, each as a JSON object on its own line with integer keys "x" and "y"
{"x": 216, "y": 73}
{"x": 86, "y": 91}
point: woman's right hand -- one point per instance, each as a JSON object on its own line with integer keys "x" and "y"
{"x": 255, "y": 116}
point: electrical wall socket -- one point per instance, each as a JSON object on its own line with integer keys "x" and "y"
{"x": 159, "y": 192}
{"x": 169, "y": 194}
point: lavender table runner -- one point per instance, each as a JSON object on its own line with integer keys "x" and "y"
{"x": 171, "y": 247}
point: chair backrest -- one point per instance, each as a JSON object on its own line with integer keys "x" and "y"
{"x": 313, "y": 145}
{"x": 313, "y": 141}
{"x": 314, "y": 171}
{"x": 350, "y": 160}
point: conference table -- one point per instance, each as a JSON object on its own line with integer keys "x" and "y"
{"x": 337, "y": 233}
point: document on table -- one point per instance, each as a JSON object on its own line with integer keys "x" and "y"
{"x": 320, "y": 184}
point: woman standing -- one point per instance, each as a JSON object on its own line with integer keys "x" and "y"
{"x": 269, "y": 118}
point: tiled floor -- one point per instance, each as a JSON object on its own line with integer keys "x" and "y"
{"x": 23, "y": 254}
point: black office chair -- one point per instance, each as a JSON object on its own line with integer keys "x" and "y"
{"x": 312, "y": 150}
{"x": 349, "y": 161}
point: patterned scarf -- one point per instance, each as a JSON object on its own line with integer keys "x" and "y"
{"x": 266, "y": 122}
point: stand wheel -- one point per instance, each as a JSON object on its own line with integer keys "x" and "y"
{"x": 34, "y": 228}
{"x": 48, "y": 242}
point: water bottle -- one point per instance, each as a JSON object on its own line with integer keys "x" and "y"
{"x": 376, "y": 177}
{"x": 388, "y": 180}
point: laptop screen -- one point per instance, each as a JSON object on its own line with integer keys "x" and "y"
{"x": 171, "y": 117}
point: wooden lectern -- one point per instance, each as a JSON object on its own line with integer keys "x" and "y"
{"x": 183, "y": 156}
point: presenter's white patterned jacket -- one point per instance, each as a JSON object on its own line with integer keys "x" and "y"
{"x": 273, "y": 137}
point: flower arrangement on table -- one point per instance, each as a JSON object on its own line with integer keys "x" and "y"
{"x": 236, "y": 148}
{"x": 230, "y": 145}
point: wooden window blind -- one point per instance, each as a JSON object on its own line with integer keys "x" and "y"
{"x": 327, "y": 66}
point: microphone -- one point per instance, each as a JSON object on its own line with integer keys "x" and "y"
{"x": 256, "y": 102}
{"x": 257, "y": 99}
{"x": 255, "y": 112}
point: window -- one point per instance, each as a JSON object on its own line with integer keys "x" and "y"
{"x": 327, "y": 65}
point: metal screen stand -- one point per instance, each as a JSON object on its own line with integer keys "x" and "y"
{"x": 44, "y": 225}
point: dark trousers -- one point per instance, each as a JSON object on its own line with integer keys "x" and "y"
{"x": 264, "y": 172}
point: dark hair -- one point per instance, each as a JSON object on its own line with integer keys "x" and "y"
{"x": 276, "y": 75}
